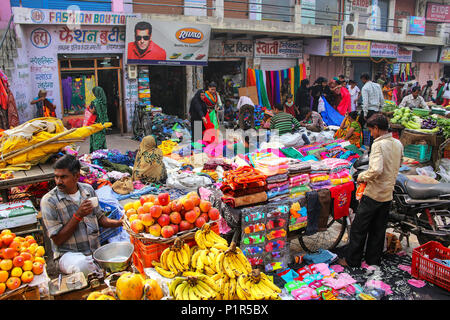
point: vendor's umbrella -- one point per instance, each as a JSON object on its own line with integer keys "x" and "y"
{"x": 331, "y": 116}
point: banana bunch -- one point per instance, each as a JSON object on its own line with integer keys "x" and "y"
{"x": 227, "y": 286}
{"x": 174, "y": 260}
{"x": 232, "y": 262}
{"x": 199, "y": 287}
{"x": 207, "y": 238}
{"x": 204, "y": 260}
{"x": 256, "y": 286}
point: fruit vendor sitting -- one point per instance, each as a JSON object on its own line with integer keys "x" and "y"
{"x": 72, "y": 219}
{"x": 414, "y": 100}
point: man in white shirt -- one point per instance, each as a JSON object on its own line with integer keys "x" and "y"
{"x": 355, "y": 93}
{"x": 414, "y": 100}
{"x": 372, "y": 96}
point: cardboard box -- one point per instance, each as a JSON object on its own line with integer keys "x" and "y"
{"x": 250, "y": 92}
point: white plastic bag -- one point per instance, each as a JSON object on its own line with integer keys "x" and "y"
{"x": 426, "y": 171}
{"x": 444, "y": 170}
{"x": 321, "y": 106}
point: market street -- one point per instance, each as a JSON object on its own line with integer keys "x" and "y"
{"x": 229, "y": 150}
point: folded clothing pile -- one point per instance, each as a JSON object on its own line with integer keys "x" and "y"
{"x": 269, "y": 164}
{"x": 340, "y": 177}
{"x": 319, "y": 180}
{"x": 243, "y": 186}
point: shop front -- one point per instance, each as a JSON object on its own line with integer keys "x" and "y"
{"x": 320, "y": 61}
{"x": 69, "y": 60}
{"x": 227, "y": 64}
{"x": 356, "y": 56}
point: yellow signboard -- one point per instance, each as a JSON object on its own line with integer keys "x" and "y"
{"x": 336, "y": 40}
{"x": 355, "y": 48}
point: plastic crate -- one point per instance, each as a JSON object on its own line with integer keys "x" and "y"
{"x": 419, "y": 152}
{"x": 112, "y": 213}
{"x": 424, "y": 267}
{"x": 147, "y": 251}
{"x": 366, "y": 137}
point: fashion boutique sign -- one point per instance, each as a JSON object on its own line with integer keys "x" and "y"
{"x": 69, "y": 17}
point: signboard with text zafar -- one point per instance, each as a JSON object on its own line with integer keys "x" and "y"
{"x": 157, "y": 42}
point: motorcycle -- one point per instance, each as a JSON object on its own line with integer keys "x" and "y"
{"x": 417, "y": 208}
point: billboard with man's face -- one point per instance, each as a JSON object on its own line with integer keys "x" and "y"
{"x": 166, "y": 42}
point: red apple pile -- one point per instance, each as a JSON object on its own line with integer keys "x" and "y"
{"x": 162, "y": 217}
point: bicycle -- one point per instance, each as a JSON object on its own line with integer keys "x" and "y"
{"x": 141, "y": 122}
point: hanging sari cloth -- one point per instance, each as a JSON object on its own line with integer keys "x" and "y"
{"x": 296, "y": 79}
{"x": 268, "y": 86}
{"x": 264, "y": 99}
{"x": 277, "y": 87}
{"x": 251, "y": 77}
{"x": 292, "y": 78}
{"x": 258, "y": 88}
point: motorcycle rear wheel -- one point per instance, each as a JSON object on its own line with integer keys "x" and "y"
{"x": 328, "y": 239}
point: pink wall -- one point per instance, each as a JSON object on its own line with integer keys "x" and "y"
{"x": 5, "y": 14}
{"x": 429, "y": 71}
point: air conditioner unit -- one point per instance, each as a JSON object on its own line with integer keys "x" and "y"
{"x": 350, "y": 29}
{"x": 132, "y": 71}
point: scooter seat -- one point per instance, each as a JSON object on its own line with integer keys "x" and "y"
{"x": 426, "y": 191}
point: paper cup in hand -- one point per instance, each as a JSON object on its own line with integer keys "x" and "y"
{"x": 94, "y": 201}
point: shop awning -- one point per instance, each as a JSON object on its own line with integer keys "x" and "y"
{"x": 411, "y": 48}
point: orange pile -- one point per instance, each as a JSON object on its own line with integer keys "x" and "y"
{"x": 20, "y": 259}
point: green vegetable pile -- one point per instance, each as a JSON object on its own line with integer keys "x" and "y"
{"x": 389, "y": 106}
{"x": 444, "y": 124}
{"x": 406, "y": 118}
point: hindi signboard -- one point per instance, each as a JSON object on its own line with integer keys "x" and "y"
{"x": 383, "y": 50}
{"x": 279, "y": 49}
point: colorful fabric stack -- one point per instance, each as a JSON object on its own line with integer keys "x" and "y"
{"x": 298, "y": 178}
{"x": 243, "y": 186}
{"x": 276, "y": 171}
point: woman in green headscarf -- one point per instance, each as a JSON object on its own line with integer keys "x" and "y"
{"x": 98, "y": 107}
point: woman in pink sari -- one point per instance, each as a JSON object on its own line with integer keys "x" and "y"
{"x": 345, "y": 105}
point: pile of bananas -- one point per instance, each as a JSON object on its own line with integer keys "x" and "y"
{"x": 256, "y": 286}
{"x": 232, "y": 262}
{"x": 174, "y": 260}
{"x": 200, "y": 287}
{"x": 227, "y": 287}
{"x": 204, "y": 260}
{"x": 207, "y": 238}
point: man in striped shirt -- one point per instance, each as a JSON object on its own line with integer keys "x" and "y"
{"x": 283, "y": 122}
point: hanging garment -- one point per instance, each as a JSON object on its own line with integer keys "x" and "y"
{"x": 313, "y": 209}
{"x": 67, "y": 94}
{"x": 89, "y": 84}
{"x": 78, "y": 96}
{"x": 342, "y": 195}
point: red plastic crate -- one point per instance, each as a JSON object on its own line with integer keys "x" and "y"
{"x": 423, "y": 267}
{"x": 147, "y": 251}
